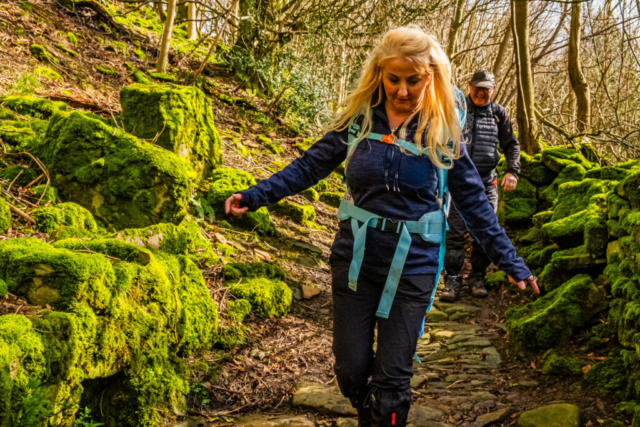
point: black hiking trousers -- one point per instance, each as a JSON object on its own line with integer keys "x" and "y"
{"x": 378, "y": 385}
{"x": 457, "y": 239}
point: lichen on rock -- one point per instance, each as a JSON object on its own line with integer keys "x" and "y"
{"x": 178, "y": 118}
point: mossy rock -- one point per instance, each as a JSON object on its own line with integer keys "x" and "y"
{"x": 126, "y": 321}
{"x": 300, "y": 214}
{"x": 305, "y": 144}
{"x": 533, "y": 235}
{"x": 238, "y": 309}
{"x": 608, "y": 173}
{"x": 123, "y": 181}
{"x": 23, "y": 135}
{"x": 42, "y": 54}
{"x": 164, "y": 77}
{"x": 554, "y": 318}
{"x": 5, "y": 216}
{"x": 107, "y": 70}
{"x": 179, "y": 118}
{"x": 629, "y": 189}
{"x": 274, "y": 147}
{"x": 140, "y": 54}
{"x": 69, "y": 215}
{"x": 236, "y": 271}
{"x": 560, "y": 366}
{"x": 572, "y": 172}
{"x": 137, "y": 75}
{"x": 532, "y": 168}
{"x": 310, "y": 194}
{"x": 496, "y": 280}
{"x": 542, "y": 218}
{"x": 331, "y": 199}
{"x": 557, "y": 159}
{"x": 72, "y": 38}
{"x": 33, "y": 106}
{"x": 48, "y": 73}
{"x": 518, "y": 206}
{"x": 574, "y": 197}
{"x": 554, "y": 415}
{"x": 616, "y": 206}
{"x": 610, "y": 376}
{"x": 538, "y": 254}
{"x": 268, "y": 297}
{"x": 62, "y": 48}
{"x": 18, "y": 174}
{"x": 50, "y": 194}
{"x": 120, "y": 47}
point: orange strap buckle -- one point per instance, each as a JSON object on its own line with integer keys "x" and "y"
{"x": 389, "y": 139}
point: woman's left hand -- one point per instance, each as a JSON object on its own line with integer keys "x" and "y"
{"x": 533, "y": 281}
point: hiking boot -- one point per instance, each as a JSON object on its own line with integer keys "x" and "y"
{"x": 476, "y": 283}
{"x": 452, "y": 286}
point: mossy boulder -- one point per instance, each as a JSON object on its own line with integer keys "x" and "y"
{"x": 224, "y": 183}
{"x": 47, "y": 194}
{"x": 572, "y": 172}
{"x": 42, "y": 54}
{"x": 558, "y": 158}
{"x": 22, "y": 135}
{"x": 33, "y": 106}
{"x": 331, "y": 198}
{"x": 5, "y": 216}
{"x": 300, "y": 214}
{"x": 72, "y": 218}
{"x": 127, "y": 321}
{"x": 553, "y": 318}
{"x": 178, "y": 118}
{"x": 610, "y": 376}
{"x": 532, "y": 168}
{"x": 164, "y": 77}
{"x": 310, "y": 194}
{"x": 121, "y": 180}
{"x": 268, "y": 297}
{"x": 554, "y": 415}
{"x": 574, "y": 197}
{"x": 518, "y": 206}
{"x": 18, "y": 174}
{"x": 609, "y": 173}
{"x": 538, "y": 254}
{"x": 496, "y": 280}
{"x": 560, "y": 366}
{"x": 238, "y": 309}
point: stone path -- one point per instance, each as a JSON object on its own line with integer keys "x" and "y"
{"x": 455, "y": 385}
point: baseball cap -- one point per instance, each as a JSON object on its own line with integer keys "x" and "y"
{"x": 483, "y": 78}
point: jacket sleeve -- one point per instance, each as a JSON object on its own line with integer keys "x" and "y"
{"x": 468, "y": 195}
{"x": 315, "y": 164}
{"x": 508, "y": 142}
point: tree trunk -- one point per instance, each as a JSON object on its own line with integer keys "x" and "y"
{"x": 159, "y": 8}
{"x": 576, "y": 76}
{"x": 527, "y": 124}
{"x": 163, "y": 54}
{"x": 502, "y": 52}
{"x": 456, "y": 23}
{"x": 192, "y": 29}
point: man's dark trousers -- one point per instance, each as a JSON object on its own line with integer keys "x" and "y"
{"x": 456, "y": 240}
{"x": 380, "y": 382}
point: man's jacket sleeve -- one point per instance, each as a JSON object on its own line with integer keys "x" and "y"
{"x": 508, "y": 142}
{"x": 467, "y": 191}
{"x": 315, "y": 164}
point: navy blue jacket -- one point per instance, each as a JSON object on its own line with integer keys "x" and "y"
{"x": 394, "y": 185}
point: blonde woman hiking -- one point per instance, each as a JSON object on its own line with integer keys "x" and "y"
{"x": 400, "y": 132}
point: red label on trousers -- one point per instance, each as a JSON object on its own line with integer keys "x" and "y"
{"x": 393, "y": 419}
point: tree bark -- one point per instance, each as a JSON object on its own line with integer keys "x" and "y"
{"x": 456, "y": 23}
{"x": 502, "y": 52}
{"x": 578, "y": 81}
{"x": 526, "y": 117}
{"x": 163, "y": 51}
{"x": 159, "y": 8}
{"x": 192, "y": 29}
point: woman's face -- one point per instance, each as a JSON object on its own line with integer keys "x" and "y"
{"x": 403, "y": 84}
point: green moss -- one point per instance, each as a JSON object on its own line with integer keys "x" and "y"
{"x": 533, "y": 235}
{"x": 557, "y": 159}
{"x": 518, "y": 206}
{"x": 3, "y": 288}
{"x": 120, "y": 179}
{"x": 107, "y": 70}
{"x": 572, "y": 172}
{"x": 538, "y": 254}
{"x": 542, "y": 218}
{"x": 33, "y": 106}
{"x": 120, "y": 47}
{"x": 609, "y": 377}
{"x": 300, "y": 214}
{"x": 164, "y": 77}
{"x": 629, "y": 188}
{"x": 6, "y": 114}
{"x": 574, "y": 197}
{"x": 224, "y": 183}
{"x": 178, "y": 118}
{"x": 331, "y": 199}
{"x": 235, "y": 272}
{"x": 140, "y": 54}
{"x": 72, "y": 38}
{"x": 238, "y": 309}
{"x": 274, "y": 147}
{"x": 18, "y": 174}
{"x": 48, "y": 73}
{"x": 553, "y": 318}
{"x": 496, "y": 280}
{"x": 560, "y": 366}
{"x": 22, "y": 135}
{"x": 310, "y": 194}
{"x": 305, "y": 144}
{"x": 62, "y": 48}
{"x": 50, "y": 194}
{"x": 617, "y": 206}
{"x": 607, "y": 173}
{"x": 267, "y": 297}
{"x": 50, "y": 219}
{"x": 532, "y": 168}
{"x": 137, "y": 75}
{"x": 5, "y": 216}
{"x": 42, "y": 54}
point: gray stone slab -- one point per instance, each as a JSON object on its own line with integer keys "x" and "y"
{"x": 421, "y": 416}
{"x": 323, "y": 398}
{"x": 273, "y": 421}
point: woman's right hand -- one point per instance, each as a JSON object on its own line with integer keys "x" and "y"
{"x": 232, "y": 204}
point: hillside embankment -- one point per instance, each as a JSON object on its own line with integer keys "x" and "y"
{"x": 129, "y": 298}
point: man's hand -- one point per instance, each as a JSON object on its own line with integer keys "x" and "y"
{"x": 523, "y": 283}
{"x": 232, "y": 204}
{"x": 509, "y": 182}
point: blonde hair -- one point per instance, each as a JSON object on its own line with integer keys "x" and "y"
{"x": 436, "y": 105}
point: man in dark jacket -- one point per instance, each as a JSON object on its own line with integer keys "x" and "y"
{"x": 487, "y": 126}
